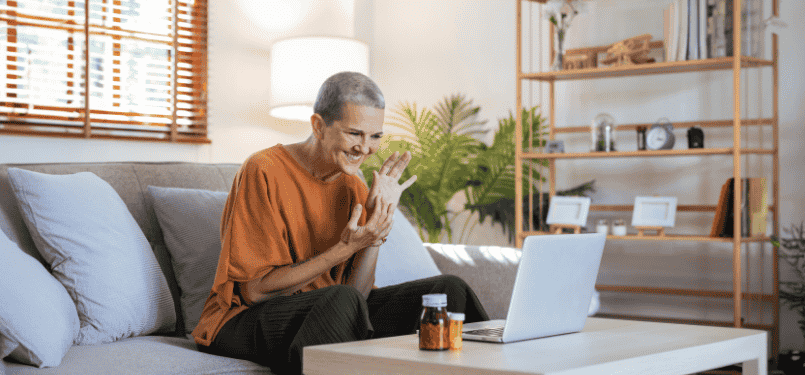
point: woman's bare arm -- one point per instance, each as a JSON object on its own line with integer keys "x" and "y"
{"x": 288, "y": 279}
{"x": 362, "y": 274}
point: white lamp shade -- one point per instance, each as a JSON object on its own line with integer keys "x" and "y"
{"x": 300, "y": 65}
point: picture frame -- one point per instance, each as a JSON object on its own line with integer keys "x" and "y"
{"x": 553, "y": 147}
{"x": 654, "y": 212}
{"x": 568, "y": 210}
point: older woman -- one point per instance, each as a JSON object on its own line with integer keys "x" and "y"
{"x": 300, "y": 235}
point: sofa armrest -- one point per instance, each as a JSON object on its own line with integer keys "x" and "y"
{"x": 490, "y": 272}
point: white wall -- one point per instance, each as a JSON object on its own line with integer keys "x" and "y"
{"x": 241, "y": 34}
{"x": 424, "y": 50}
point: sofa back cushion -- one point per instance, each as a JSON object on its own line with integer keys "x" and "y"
{"x": 38, "y": 319}
{"x": 130, "y": 180}
{"x": 190, "y": 221}
{"x": 96, "y": 250}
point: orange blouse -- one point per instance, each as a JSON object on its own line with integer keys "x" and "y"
{"x": 276, "y": 214}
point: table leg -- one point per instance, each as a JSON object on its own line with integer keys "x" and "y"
{"x": 755, "y": 367}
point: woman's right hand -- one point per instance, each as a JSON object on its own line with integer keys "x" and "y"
{"x": 374, "y": 232}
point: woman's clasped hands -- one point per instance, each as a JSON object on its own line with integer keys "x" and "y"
{"x": 384, "y": 196}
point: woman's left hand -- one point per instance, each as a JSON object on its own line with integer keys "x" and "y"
{"x": 386, "y": 181}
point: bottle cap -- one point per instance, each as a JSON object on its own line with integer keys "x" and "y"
{"x": 456, "y": 316}
{"x": 434, "y": 300}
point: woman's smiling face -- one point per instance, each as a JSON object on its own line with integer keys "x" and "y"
{"x": 346, "y": 143}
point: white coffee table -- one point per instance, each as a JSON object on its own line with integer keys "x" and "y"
{"x": 604, "y": 346}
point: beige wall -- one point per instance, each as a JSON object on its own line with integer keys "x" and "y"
{"x": 240, "y": 37}
{"x": 423, "y": 50}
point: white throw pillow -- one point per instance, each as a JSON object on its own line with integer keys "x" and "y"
{"x": 190, "y": 220}
{"x": 38, "y": 320}
{"x": 95, "y": 248}
{"x": 403, "y": 257}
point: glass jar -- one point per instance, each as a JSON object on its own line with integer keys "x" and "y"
{"x": 434, "y": 330}
{"x": 602, "y": 133}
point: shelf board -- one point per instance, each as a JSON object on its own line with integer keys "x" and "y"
{"x": 685, "y": 237}
{"x": 718, "y": 63}
{"x": 684, "y": 292}
{"x": 679, "y": 207}
{"x": 646, "y": 153}
{"x": 718, "y": 323}
{"x": 630, "y": 208}
{"x": 677, "y": 124}
{"x": 667, "y": 237}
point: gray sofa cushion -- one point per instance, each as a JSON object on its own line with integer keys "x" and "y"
{"x": 488, "y": 270}
{"x": 190, "y": 220}
{"x": 130, "y": 180}
{"x": 403, "y": 257}
{"x": 142, "y": 355}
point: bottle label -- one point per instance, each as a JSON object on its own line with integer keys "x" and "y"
{"x": 434, "y": 336}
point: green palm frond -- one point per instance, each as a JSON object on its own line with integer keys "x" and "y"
{"x": 792, "y": 250}
{"x": 447, "y": 159}
{"x": 457, "y": 115}
{"x": 440, "y": 160}
{"x": 492, "y": 186}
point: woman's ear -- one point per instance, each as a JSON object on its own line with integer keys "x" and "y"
{"x": 318, "y": 125}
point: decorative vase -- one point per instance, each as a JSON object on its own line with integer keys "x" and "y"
{"x": 559, "y": 51}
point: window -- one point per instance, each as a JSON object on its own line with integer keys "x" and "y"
{"x": 146, "y": 69}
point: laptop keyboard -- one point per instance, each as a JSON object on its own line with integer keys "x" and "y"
{"x": 491, "y": 332}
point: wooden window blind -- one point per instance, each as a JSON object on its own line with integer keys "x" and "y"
{"x": 146, "y": 69}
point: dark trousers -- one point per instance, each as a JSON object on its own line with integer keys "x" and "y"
{"x": 273, "y": 333}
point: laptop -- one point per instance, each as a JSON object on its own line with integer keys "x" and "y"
{"x": 552, "y": 290}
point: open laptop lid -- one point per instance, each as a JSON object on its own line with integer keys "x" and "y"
{"x": 555, "y": 281}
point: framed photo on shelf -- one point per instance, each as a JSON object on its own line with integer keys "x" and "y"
{"x": 568, "y": 210}
{"x": 654, "y": 212}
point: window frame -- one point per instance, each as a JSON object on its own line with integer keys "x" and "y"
{"x": 187, "y": 55}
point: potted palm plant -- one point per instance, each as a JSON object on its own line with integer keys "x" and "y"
{"x": 448, "y": 159}
{"x": 792, "y": 293}
{"x": 792, "y": 250}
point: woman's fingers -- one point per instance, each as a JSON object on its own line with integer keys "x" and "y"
{"x": 356, "y": 214}
{"x": 376, "y": 214}
{"x": 408, "y": 183}
{"x": 388, "y": 165}
{"x": 398, "y": 167}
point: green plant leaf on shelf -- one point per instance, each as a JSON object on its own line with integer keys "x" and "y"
{"x": 491, "y": 188}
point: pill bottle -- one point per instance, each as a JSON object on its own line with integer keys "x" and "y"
{"x": 433, "y": 324}
{"x": 456, "y": 328}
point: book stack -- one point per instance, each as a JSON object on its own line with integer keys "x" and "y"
{"x": 702, "y": 29}
{"x": 754, "y": 209}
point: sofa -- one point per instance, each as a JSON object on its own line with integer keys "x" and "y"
{"x": 489, "y": 270}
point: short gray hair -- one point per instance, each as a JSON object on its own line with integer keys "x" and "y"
{"x": 346, "y": 87}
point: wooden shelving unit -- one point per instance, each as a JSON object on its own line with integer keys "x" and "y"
{"x": 734, "y": 64}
